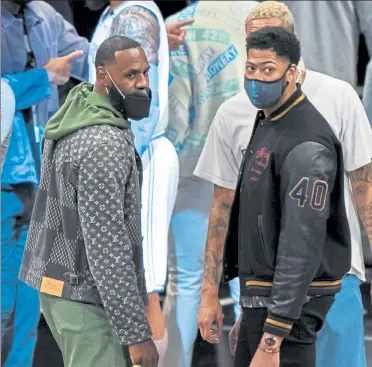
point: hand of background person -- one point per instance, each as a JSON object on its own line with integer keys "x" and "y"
{"x": 59, "y": 68}
{"x": 144, "y": 354}
{"x": 176, "y": 35}
{"x": 155, "y": 317}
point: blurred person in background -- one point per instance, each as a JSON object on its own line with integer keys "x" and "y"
{"x": 19, "y": 91}
{"x": 37, "y": 39}
{"x": 329, "y": 33}
{"x": 367, "y": 92}
{"x": 204, "y": 72}
{"x": 219, "y": 163}
{"x": 143, "y": 22}
{"x": 7, "y": 115}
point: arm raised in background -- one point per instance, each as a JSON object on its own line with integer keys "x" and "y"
{"x": 141, "y": 25}
{"x": 210, "y": 307}
{"x": 68, "y": 42}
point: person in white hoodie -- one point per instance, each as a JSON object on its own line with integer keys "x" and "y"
{"x": 143, "y": 22}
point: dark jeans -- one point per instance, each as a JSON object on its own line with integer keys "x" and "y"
{"x": 298, "y": 350}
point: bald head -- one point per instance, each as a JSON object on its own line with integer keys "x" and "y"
{"x": 106, "y": 53}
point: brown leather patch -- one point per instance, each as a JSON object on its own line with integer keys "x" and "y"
{"x": 52, "y": 286}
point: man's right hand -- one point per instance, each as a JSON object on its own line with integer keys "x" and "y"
{"x": 144, "y": 354}
{"x": 59, "y": 68}
{"x": 210, "y": 316}
{"x": 176, "y": 34}
{"x": 234, "y": 335}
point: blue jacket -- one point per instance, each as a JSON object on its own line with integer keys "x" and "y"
{"x": 29, "y": 88}
{"x": 49, "y": 36}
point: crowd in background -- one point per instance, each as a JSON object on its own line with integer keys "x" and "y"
{"x": 197, "y": 62}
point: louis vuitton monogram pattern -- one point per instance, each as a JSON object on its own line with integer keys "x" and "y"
{"x": 85, "y": 228}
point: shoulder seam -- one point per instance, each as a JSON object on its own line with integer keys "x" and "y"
{"x": 306, "y": 141}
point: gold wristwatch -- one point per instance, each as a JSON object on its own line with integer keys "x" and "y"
{"x": 270, "y": 344}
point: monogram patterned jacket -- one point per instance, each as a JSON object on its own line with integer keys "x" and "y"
{"x": 84, "y": 242}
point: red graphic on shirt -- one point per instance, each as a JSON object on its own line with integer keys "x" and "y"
{"x": 260, "y": 163}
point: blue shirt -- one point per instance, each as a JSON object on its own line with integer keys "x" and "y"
{"x": 49, "y": 36}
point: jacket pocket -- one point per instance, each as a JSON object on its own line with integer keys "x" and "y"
{"x": 260, "y": 229}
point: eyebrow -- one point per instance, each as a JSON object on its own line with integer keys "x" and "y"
{"x": 260, "y": 63}
{"x": 135, "y": 70}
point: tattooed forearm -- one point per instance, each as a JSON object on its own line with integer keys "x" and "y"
{"x": 140, "y": 25}
{"x": 361, "y": 181}
{"x": 218, "y": 222}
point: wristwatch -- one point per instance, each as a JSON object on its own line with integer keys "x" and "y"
{"x": 270, "y": 344}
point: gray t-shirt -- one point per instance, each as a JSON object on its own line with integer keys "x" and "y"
{"x": 329, "y": 34}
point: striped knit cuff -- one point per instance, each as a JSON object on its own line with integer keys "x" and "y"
{"x": 277, "y": 326}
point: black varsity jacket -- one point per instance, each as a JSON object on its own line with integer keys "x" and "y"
{"x": 288, "y": 233}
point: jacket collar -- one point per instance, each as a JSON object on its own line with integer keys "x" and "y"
{"x": 296, "y": 98}
{"x": 31, "y": 14}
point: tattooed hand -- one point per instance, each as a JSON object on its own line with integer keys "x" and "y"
{"x": 217, "y": 228}
{"x": 361, "y": 181}
{"x": 210, "y": 314}
{"x": 140, "y": 25}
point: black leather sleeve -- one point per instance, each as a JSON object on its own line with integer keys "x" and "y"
{"x": 307, "y": 178}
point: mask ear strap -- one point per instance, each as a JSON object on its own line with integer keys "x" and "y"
{"x": 115, "y": 84}
{"x": 107, "y": 91}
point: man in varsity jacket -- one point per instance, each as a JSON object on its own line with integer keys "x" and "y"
{"x": 288, "y": 237}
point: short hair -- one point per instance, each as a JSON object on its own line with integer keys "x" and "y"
{"x": 106, "y": 52}
{"x": 272, "y": 9}
{"x": 277, "y": 39}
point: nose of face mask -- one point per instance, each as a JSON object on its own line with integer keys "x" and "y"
{"x": 265, "y": 94}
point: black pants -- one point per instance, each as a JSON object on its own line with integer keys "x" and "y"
{"x": 298, "y": 350}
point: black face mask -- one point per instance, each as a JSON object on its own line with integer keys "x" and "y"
{"x": 134, "y": 106}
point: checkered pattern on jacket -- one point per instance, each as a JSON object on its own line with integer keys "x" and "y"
{"x": 85, "y": 227}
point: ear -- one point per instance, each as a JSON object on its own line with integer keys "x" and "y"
{"x": 101, "y": 76}
{"x": 292, "y": 73}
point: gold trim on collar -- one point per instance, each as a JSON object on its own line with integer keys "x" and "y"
{"x": 295, "y": 103}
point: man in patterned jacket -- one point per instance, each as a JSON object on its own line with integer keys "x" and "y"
{"x": 84, "y": 247}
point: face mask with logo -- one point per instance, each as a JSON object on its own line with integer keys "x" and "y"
{"x": 265, "y": 94}
{"x": 134, "y": 106}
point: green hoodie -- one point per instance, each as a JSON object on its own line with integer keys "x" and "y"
{"x": 83, "y": 107}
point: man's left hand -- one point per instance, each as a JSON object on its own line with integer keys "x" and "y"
{"x": 264, "y": 359}
{"x": 155, "y": 317}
